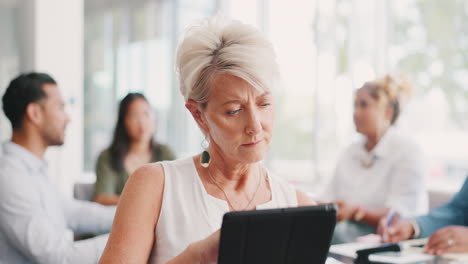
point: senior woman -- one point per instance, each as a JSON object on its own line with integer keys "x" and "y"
{"x": 170, "y": 211}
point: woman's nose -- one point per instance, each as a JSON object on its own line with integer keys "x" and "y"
{"x": 254, "y": 125}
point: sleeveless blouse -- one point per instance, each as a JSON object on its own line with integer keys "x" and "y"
{"x": 189, "y": 213}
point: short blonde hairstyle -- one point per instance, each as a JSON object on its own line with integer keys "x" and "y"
{"x": 391, "y": 89}
{"x": 218, "y": 45}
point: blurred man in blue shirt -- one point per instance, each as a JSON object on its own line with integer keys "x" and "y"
{"x": 35, "y": 220}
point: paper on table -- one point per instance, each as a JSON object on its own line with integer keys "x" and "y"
{"x": 349, "y": 249}
{"x": 407, "y": 256}
{"x": 400, "y": 257}
{"x": 458, "y": 257}
{"x": 415, "y": 245}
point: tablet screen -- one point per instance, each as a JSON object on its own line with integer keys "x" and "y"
{"x": 277, "y": 236}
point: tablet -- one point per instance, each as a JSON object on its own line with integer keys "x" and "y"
{"x": 277, "y": 236}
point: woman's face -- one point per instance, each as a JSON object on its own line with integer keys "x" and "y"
{"x": 239, "y": 119}
{"x": 370, "y": 116}
{"x": 139, "y": 120}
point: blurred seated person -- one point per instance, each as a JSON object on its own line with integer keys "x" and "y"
{"x": 35, "y": 218}
{"x": 447, "y": 226}
{"x": 171, "y": 211}
{"x": 132, "y": 147}
{"x": 383, "y": 170}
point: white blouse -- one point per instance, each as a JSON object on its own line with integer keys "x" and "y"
{"x": 392, "y": 175}
{"x": 189, "y": 213}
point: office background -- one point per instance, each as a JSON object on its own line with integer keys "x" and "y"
{"x": 100, "y": 50}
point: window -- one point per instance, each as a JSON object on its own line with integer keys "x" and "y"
{"x": 326, "y": 50}
{"x": 130, "y": 47}
{"x": 9, "y": 55}
{"x": 429, "y": 41}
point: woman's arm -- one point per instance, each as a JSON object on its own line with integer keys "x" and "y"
{"x": 359, "y": 213}
{"x": 132, "y": 235}
{"x": 370, "y": 216}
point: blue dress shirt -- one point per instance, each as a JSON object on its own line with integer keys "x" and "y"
{"x": 35, "y": 220}
{"x": 455, "y": 212}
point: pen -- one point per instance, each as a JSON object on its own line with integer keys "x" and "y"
{"x": 390, "y": 216}
{"x": 389, "y": 220}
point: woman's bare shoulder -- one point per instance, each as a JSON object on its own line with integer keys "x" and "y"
{"x": 147, "y": 182}
{"x": 148, "y": 174}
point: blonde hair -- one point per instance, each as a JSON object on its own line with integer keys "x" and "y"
{"x": 391, "y": 89}
{"x": 218, "y": 45}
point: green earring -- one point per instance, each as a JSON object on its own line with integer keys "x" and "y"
{"x": 205, "y": 159}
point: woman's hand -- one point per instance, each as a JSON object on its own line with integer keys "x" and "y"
{"x": 399, "y": 229}
{"x": 208, "y": 248}
{"x": 370, "y": 216}
{"x": 451, "y": 239}
{"x": 346, "y": 210}
{"x": 204, "y": 251}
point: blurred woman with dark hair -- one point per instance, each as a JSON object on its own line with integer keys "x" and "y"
{"x": 132, "y": 146}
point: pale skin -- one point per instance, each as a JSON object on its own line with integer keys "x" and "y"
{"x": 372, "y": 119}
{"x": 402, "y": 229}
{"x": 238, "y": 120}
{"x": 139, "y": 122}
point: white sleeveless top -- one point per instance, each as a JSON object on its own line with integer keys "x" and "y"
{"x": 189, "y": 213}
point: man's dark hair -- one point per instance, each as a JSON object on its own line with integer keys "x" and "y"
{"x": 23, "y": 90}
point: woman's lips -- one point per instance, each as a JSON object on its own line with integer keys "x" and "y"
{"x": 251, "y": 144}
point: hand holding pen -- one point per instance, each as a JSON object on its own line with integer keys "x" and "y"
{"x": 385, "y": 223}
{"x": 393, "y": 228}
{"x": 388, "y": 222}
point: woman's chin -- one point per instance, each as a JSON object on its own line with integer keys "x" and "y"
{"x": 252, "y": 157}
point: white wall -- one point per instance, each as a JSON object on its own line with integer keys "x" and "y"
{"x": 52, "y": 34}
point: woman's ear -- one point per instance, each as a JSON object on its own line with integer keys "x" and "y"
{"x": 197, "y": 114}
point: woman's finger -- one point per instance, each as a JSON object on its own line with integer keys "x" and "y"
{"x": 439, "y": 241}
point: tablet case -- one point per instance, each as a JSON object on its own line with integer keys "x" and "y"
{"x": 278, "y": 236}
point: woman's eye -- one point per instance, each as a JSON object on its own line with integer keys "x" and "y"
{"x": 265, "y": 104}
{"x": 233, "y": 112}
